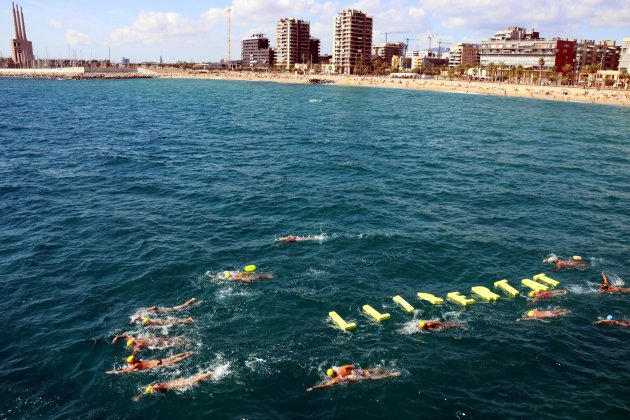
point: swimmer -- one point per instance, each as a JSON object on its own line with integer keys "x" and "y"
{"x": 139, "y": 343}
{"x": 605, "y": 287}
{"x": 295, "y": 238}
{"x": 575, "y": 262}
{"x": 349, "y": 373}
{"x": 609, "y": 320}
{"x": 546, "y": 294}
{"x": 243, "y": 277}
{"x": 134, "y": 364}
{"x": 176, "y": 384}
{"x": 538, "y": 314}
{"x": 159, "y": 309}
{"x": 436, "y": 325}
{"x": 148, "y": 322}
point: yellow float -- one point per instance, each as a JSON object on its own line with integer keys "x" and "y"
{"x": 536, "y": 287}
{"x": 375, "y": 314}
{"x": 430, "y": 298}
{"x": 485, "y": 293}
{"x": 341, "y": 322}
{"x": 543, "y": 278}
{"x": 403, "y": 303}
{"x": 460, "y": 299}
{"x": 504, "y": 285}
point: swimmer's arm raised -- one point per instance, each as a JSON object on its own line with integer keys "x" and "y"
{"x": 121, "y": 336}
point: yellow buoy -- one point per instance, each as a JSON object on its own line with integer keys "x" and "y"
{"x": 250, "y": 268}
{"x": 577, "y": 258}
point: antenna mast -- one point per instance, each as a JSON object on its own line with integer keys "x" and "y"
{"x": 229, "y": 61}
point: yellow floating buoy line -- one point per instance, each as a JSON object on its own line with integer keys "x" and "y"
{"x": 483, "y": 292}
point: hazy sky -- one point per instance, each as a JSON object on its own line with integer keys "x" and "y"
{"x": 197, "y": 30}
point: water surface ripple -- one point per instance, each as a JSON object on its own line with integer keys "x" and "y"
{"x": 118, "y": 195}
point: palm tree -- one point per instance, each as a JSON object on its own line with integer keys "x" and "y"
{"x": 490, "y": 68}
{"x": 592, "y": 70}
{"x": 552, "y": 74}
{"x": 541, "y": 63}
{"x": 501, "y": 66}
{"x": 519, "y": 73}
{"x": 567, "y": 71}
{"x": 624, "y": 77}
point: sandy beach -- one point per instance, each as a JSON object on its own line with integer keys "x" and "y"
{"x": 559, "y": 93}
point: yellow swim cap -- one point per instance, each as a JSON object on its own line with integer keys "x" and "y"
{"x": 422, "y": 324}
{"x": 129, "y": 343}
{"x": 148, "y": 389}
{"x": 532, "y": 293}
{"x": 131, "y": 358}
{"x": 530, "y": 313}
{"x": 146, "y": 320}
{"x": 228, "y": 274}
{"x": 330, "y": 372}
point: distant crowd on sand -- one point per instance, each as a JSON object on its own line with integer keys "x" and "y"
{"x": 559, "y": 93}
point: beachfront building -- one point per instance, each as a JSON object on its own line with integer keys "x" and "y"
{"x": 352, "y": 40}
{"x": 314, "y": 51}
{"x": 293, "y": 42}
{"x": 604, "y": 54}
{"x": 256, "y": 52}
{"x": 22, "y": 48}
{"x": 388, "y": 51}
{"x": 464, "y": 55}
{"x": 624, "y": 57}
{"x": 517, "y": 47}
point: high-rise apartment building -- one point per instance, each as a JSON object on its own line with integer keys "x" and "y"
{"x": 464, "y": 55}
{"x": 256, "y": 52}
{"x": 389, "y": 50}
{"x": 624, "y": 58}
{"x": 352, "y": 40}
{"x": 605, "y": 54}
{"x": 314, "y": 51}
{"x": 22, "y": 48}
{"x": 293, "y": 41}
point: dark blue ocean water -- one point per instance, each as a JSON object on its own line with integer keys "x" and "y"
{"x": 119, "y": 195}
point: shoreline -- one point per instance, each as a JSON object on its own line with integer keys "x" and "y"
{"x": 555, "y": 93}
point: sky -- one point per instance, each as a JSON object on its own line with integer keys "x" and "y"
{"x": 196, "y": 30}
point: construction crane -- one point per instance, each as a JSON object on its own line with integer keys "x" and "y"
{"x": 440, "y": 42}
{"x": 407, "y": 42}
{"x": 387, "y": 33}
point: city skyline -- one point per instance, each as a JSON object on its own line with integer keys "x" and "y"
{"x": 197, "y": 31}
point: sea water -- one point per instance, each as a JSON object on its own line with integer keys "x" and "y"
{"x": 119, "y": 195}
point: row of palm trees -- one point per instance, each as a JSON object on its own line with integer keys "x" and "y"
{"x": 501, "y": 72}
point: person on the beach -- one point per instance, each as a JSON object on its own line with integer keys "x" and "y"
{"x": 547, "y": 294}
{"x": 538, "y": 314}
{"x": 609, "y": 320}
{"x": 295, "y": 238}
{"x": 436, "y": 325}
{"x": 349, "y": 373}
{"x": 134, "y": 364}
{"x": 244, "y": 277}
{"x": 162, "y": 310}
{"x": 140, "y": 343}
{"x": 157, "y": 322}
{"x": 176, "y": 384}
{"x": 574, "y": 262}
{"x": 605, "y": 287}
